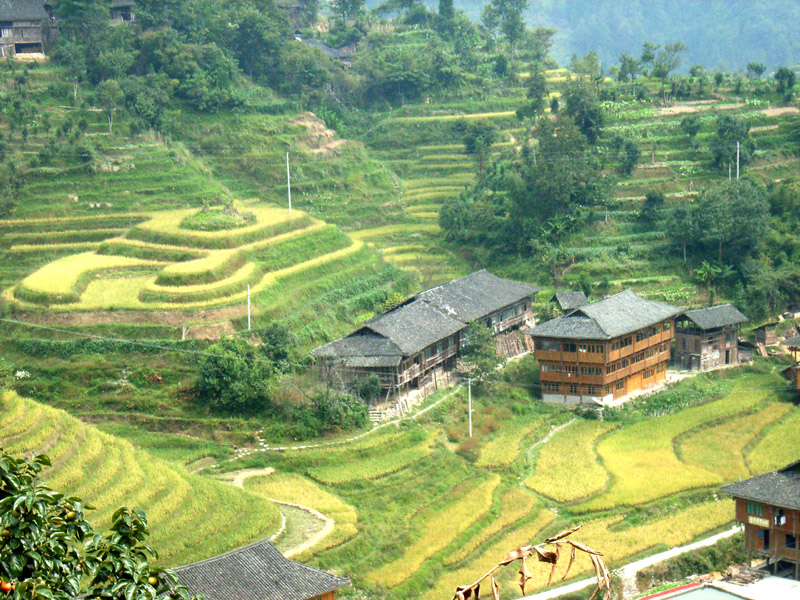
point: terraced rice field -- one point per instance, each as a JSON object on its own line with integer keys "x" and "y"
{"x": 634, "y": 486}
{"x": 190, "y": 517}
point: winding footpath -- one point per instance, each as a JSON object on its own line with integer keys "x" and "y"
{"x": 238, "y": 479}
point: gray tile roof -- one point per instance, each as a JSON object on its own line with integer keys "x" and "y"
{"x": 256, "y": 572}
{"x": 361, "y": 346}
{"x": 778, "y": 488}
{"x": 476, "y": 295}
{"x": 607, "y": 319}
{"x": 792, "y": 342}
{"x": 569, "y": 300}
{"x": 414, "y": 326}
{"x": 22, "y": 10}
{"x": 714, "y": 317}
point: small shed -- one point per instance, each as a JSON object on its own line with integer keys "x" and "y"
{"x": 767, "y": 334}
{"x": 24, "y": 27}
{"x": 258, "y": 572}
{"x": 792, "y": 373}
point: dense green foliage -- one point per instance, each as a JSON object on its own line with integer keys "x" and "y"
{"x": 49, "y": 551}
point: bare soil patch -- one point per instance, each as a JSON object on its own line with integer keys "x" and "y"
{"x": 780, "y": 110}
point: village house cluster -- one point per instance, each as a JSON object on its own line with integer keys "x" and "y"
{"x": 595, "y": 353}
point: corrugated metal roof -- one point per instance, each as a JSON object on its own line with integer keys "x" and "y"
{"x": 714, "y": 317}
{"x": 476, "y": 295}
{"x": 256, "y": 572}
{"x": 22, "y": 10}
{"x": 778, "y": 488}
{"x": 607, "y": 319}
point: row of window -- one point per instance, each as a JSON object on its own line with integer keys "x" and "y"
{"x": 753, "y": 508}
{"x": 575, "y": 389}
{"x": 555, "y": 346}
{"x": 596, "y": 371}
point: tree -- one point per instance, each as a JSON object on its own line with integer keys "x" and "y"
{"x": 583, "y": 105}
{"x": 723, "y": 145}
{"x": 690, "y": 125}
{"x": 629, "y": 67}
{"x": 755, "y": 70}
{"x": 666, "y": 61}
{"x": 507, "y": 14}
{"x": 347, "y": 10}
{"x": 109, "y": 97}
{"x": 479, "y": 357}
{"x": 479, "y": 136}
{"x": 648, "y": 54}
{"x": 650, "y": 214}
{"x": 537, "y": 92}
{"x": 236, "y": 377}
{"x": 785, "y": 79}
{"x": 49, "y": 551}
{"x": 446, "y": 10}
{"x": 630, "y": 157}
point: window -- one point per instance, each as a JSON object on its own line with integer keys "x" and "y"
{"x": 667, "y": 326}
{"x": 572, "y": 369}
{"x": 573, "y": 388}
{"x": 583, "y": 348}
{"x": 780, "y": 518}
{"x": 621, "y": 385}
{"x": 548, "y": 346}
{"x": 754, "y": 509}
{"x": 791, "y": 541}
{"x": 569, "y": 347}
{"x": 590, "y": 390}
{"x": 551, "y": 387}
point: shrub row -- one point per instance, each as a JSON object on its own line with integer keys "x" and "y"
{"x": 61, "y": 237}
{"x": 300, "y": 249}
{"x": 221, "y": 271}
{"x": 66, "y": 348}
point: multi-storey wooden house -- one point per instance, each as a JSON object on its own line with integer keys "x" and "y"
{"x": 563, "y": 302}
{"x": 708, "y": 338}
{"x": 605, "y": 350}
{"x": 25, "y": 27}
{"x": 768, "y": 506}
{"x": 258, "y": 572}
{"x": 417, "y": 343}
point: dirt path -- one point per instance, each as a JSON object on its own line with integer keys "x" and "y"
{"x": 238, "y": 478}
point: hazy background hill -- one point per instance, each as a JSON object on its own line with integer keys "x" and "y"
{"x": 724, "y": 34}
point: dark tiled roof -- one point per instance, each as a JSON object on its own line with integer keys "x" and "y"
{"x": 767, "y": 326}
{"x": 477, "y": 295}
{"x": 327, "y": 50}
{"x": 714, "y": 317}
{"x": 256, "y": 572}
{"x": 606, "y": 319}
{"x": 792, "y": 342}
{"x": 22, "y": 10}
{"x": 778, "y": 488}
{"x": 414, "y": 326}
{"x": 360, "y": 345}
{"x": 569, "y": 300}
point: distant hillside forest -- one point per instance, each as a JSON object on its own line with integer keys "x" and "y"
{"x": 720, "y": 34}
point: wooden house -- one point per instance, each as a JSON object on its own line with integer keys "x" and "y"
{"x": 793, "y": 372}
{"x": 768, "y": 506}
{"x": 767, "y": 334}
{"x": 122, "y": 11}
{"x": 603, "y": 351}
{"x": 26, "y": 26}
{"x": 258, "y": 572}
{"x": 708, "y": 338}
{"x": 416, "y": 344}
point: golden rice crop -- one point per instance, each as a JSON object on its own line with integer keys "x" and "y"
{"x": 239, "y": 276}
{"x": 772, "y": 451}
{"x": 13, "y": 409}
{"x": 169, "y": 221}
{"x": 392, "y": 229}
{"x": 720, "y": 448}
{"x": 296, "y": 489}
{"x": 523, "y": 535}
{"x": 438, "y": 531}
{"x": 60, "y": 276}
{"x": 468, "y": 117}
{"x": 567, "y": 467}
{"x": 122, "y": 292}
{"x": 516, "y": 505}
{"x": 204, "y": 518}
{"x": 32, "y": 438}
{"x": 371, "y": 467}
{"x": 211, "y": 261}
{"x": 642, "y": 458}
{"x": 33, "y": 248}
{"x": 503, "y": 449}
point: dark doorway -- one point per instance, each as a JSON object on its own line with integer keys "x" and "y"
{"x": 727, "y": 357}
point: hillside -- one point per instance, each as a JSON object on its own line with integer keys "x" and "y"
{"x": 190, "y": 517}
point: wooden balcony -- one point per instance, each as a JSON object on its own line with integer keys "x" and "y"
{"x": 520, "y": 319}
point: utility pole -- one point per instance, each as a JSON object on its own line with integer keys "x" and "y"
{"x": 248, "y": 307}
{"x": 469, "y": 396}
{"x": 288, "y": 182}
{"x": 737, "y": 160}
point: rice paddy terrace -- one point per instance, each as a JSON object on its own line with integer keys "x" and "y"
{"x": 636, "y": 485}
{"x": 190, "y": 517}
